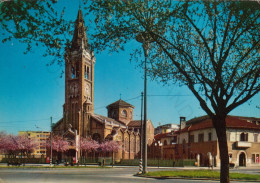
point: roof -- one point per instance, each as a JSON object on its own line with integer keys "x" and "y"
{"x": 107, "y": 121}
{"x": 231, "y": 122}
{"x": 163, "y": 135}
{"x": 120, "y": 103}
{"x": 135, "y": 123}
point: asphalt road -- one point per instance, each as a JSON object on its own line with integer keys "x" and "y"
{"x": 88, "y": 175}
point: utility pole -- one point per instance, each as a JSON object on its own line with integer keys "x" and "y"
{"x": 51, "y": 143}
{"x": 142, "y": 126}
{"x": 145, "y": 47}
{"x": 141, "y": 137}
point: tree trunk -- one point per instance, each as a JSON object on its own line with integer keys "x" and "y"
{"x": 220, "y": 126}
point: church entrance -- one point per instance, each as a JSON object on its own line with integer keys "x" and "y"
{"x": 242, "y": 159}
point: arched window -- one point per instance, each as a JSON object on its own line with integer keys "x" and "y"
{"x": 137, "y": 145}
{"x": 86, "y": 72}
{"x": 126, "y": 145}
{"x": 244, "y": 137}
{"x": 132, "y": 145}
{"x": 124, "y": 113}
{"x": 72, "y": 73}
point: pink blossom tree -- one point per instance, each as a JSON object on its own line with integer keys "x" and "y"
{"x": 108, "y": 147}
{"x": 2, "y": 141}
{"x": 88, "y": 145}
{"x": 26, "y": 145}
{"x": 59, "y": 144}
{"x": 9, "y": 144}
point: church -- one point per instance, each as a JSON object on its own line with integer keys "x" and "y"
{"x": 79, "y": 119}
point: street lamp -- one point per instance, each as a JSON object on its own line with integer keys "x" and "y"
{"x": 159, "y": 154}
{"x": 145, "y": 39}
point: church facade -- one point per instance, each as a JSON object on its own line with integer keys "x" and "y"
{"x": 79, "y": 119}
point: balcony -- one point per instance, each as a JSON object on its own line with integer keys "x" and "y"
{"x": 243, "y": 144}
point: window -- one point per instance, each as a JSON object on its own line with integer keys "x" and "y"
{"x": 86, "y": 72}
{"x": 137, "y": 145}
{"x": 210, "y": 136}
{"x": 201, "y": 137}
{"x": 126, "y": 144}
{"x": 244, "y": 137}
{"x": 191, "y": 138}
{"x": 255, "y": 137}
{"x": 132, "y": 143}
{"x": 72, "y": 73}
{"x": 124, "y": 113}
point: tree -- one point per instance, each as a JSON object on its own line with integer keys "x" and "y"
{"x": 9, "y": 144}
{"x": 36, "y": 23}
{"x": 212, "y": 47}
{"x": 109, "y": 146}
{"x": 59, "y": 144}
{"x": 26, "y": 145}
{"x": 88, "y": 145}
{"x": 15, "y": 145}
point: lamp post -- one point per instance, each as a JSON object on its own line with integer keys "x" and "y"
{"x": 144, "y": 38}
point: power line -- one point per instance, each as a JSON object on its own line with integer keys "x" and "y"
{"x": 45, "y": 119}
{"x": 169, "y": 95}
{"x": 30, "y": 120}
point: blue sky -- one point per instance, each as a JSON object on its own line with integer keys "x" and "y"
{"x": 31, "y": 92}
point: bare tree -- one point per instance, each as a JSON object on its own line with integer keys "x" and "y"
{"x": 212, "y": 47}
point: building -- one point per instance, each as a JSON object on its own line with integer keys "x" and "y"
{"x": 79, "y": 119}
{"x": 197, "y": 139}
{"x": 166, "y": 128}
{"x": 41, "y": 138}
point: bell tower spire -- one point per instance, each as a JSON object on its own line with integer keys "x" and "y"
{"x": 80, "y": 39}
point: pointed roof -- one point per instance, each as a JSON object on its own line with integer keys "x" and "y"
{"x": 79, "y": 39}
{"x": 120, "y": 103}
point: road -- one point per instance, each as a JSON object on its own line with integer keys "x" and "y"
{"x": 88, "y": 175}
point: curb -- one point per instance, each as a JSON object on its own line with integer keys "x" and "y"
{"x": 187, "y": 178}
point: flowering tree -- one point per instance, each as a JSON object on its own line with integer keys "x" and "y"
{"x": 26, "y": 145}
{"x": 59, "y": 144}
{"x": 2, "y": 140}
{"x": 88, "y": 145}
{"x": 9, "y": 144}
{"x": 15, "y": 145}
{"x": 109, "y": 146}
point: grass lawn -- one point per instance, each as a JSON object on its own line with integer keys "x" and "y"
{"x": 42, "y": 167}
{"x": 201, "y": 174}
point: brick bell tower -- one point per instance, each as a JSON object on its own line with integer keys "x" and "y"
{"x": 79, "y": 81}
